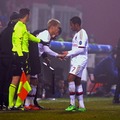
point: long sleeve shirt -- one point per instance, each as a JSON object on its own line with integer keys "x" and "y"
{"x": 45, "y": 36}
{"x": 20, "y": 38}
{"x": 79, "y": 52}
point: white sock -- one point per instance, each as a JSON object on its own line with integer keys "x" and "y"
{"x": 72, "y": 92}
{"x": 27, "y": 101}
{"x": 30, "y": 98}
{"x": 34, "y": 88}
{"x": 79, "y": 93}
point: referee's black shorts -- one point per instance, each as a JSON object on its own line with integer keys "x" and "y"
{"x": 20, "y": 63}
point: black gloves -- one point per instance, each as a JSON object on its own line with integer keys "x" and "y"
{"x": 44, "y": 43}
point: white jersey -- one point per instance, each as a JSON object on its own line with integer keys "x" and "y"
{"x": 79, "y": 52}
{"x": 45, "y": 36}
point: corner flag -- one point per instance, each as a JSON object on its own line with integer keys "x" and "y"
{"x": 24, "y": 87}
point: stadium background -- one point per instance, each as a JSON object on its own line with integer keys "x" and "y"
{"x": 101, "y": 20}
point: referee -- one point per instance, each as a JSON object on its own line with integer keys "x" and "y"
{"x": 20, "y": 50}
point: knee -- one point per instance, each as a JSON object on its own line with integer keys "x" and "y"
{"x": 78, "y": 81}
{"x": 71, "y": 78}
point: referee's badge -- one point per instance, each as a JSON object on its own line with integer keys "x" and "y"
{"x": 80, "y": 43}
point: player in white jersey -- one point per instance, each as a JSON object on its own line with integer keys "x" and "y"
{"x": 53, "y": 30}
{"x": 79, "y": 58}
{"x": 46, "y": 35}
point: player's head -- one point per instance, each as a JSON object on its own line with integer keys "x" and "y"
{"x": 53, "y": 26}
{"x": 55, "y": 36}
{"x": 75, "y": 23}
{"x": 14, "y": 16}
{"x": 24, "y": 14}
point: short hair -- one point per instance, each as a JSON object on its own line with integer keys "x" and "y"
{"x": 53, "y": 22}
{"x": 23, "y": 12}
{"x": 76, "y": 20}
{"x": 60, "y": 30}
{"x": 14, "y": 16}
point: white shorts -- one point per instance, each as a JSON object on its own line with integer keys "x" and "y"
{"x": 84, "y": 75}
{"x": 76, "y": 70}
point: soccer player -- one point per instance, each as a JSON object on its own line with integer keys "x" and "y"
{"x": 79, "y": 58}
{"x": 20, "y": 38}
{"x": 53, "y": 30}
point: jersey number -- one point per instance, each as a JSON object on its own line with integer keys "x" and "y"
{"x": 73, "y": 69}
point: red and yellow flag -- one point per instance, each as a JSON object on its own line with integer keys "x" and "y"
{"x": 24, "y": 87}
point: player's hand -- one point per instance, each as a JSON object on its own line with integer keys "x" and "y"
{"x": 44, "y": 43}
{"x": 61, "y": 56}
{"x": 65, "y": 53}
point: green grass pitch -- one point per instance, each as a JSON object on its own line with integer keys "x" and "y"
{"x": 97, "y": 109}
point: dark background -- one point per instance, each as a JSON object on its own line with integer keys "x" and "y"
{"x": 100, "y": 17}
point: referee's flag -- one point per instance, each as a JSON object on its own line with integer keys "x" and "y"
{"x": 24, "y": 87}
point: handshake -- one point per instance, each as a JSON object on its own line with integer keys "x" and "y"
{"x": 63, "y": 55}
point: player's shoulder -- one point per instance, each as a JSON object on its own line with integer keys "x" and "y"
{"x": 19, "y": 25}
{"x": 44, "y": 32}
{"x": 44, "y": 35}
{"x": 82, "y": 31}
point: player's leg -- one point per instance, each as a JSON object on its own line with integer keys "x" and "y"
{"x": 16, "y": 69}
{"x": 29, "y": 102}
{"x": 7, "y": 81}
{"x": 74, "y": 72}
{"x": 37, "y": 94}
{"x": 25, "y": 66}
{"x": 79, "y": 89}
{"x": 79, "y": 94}
{"x": 12, "y": 89}
{"x": 71, "y": 87}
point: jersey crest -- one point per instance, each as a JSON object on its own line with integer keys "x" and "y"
{"x": 80, "y": 43}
